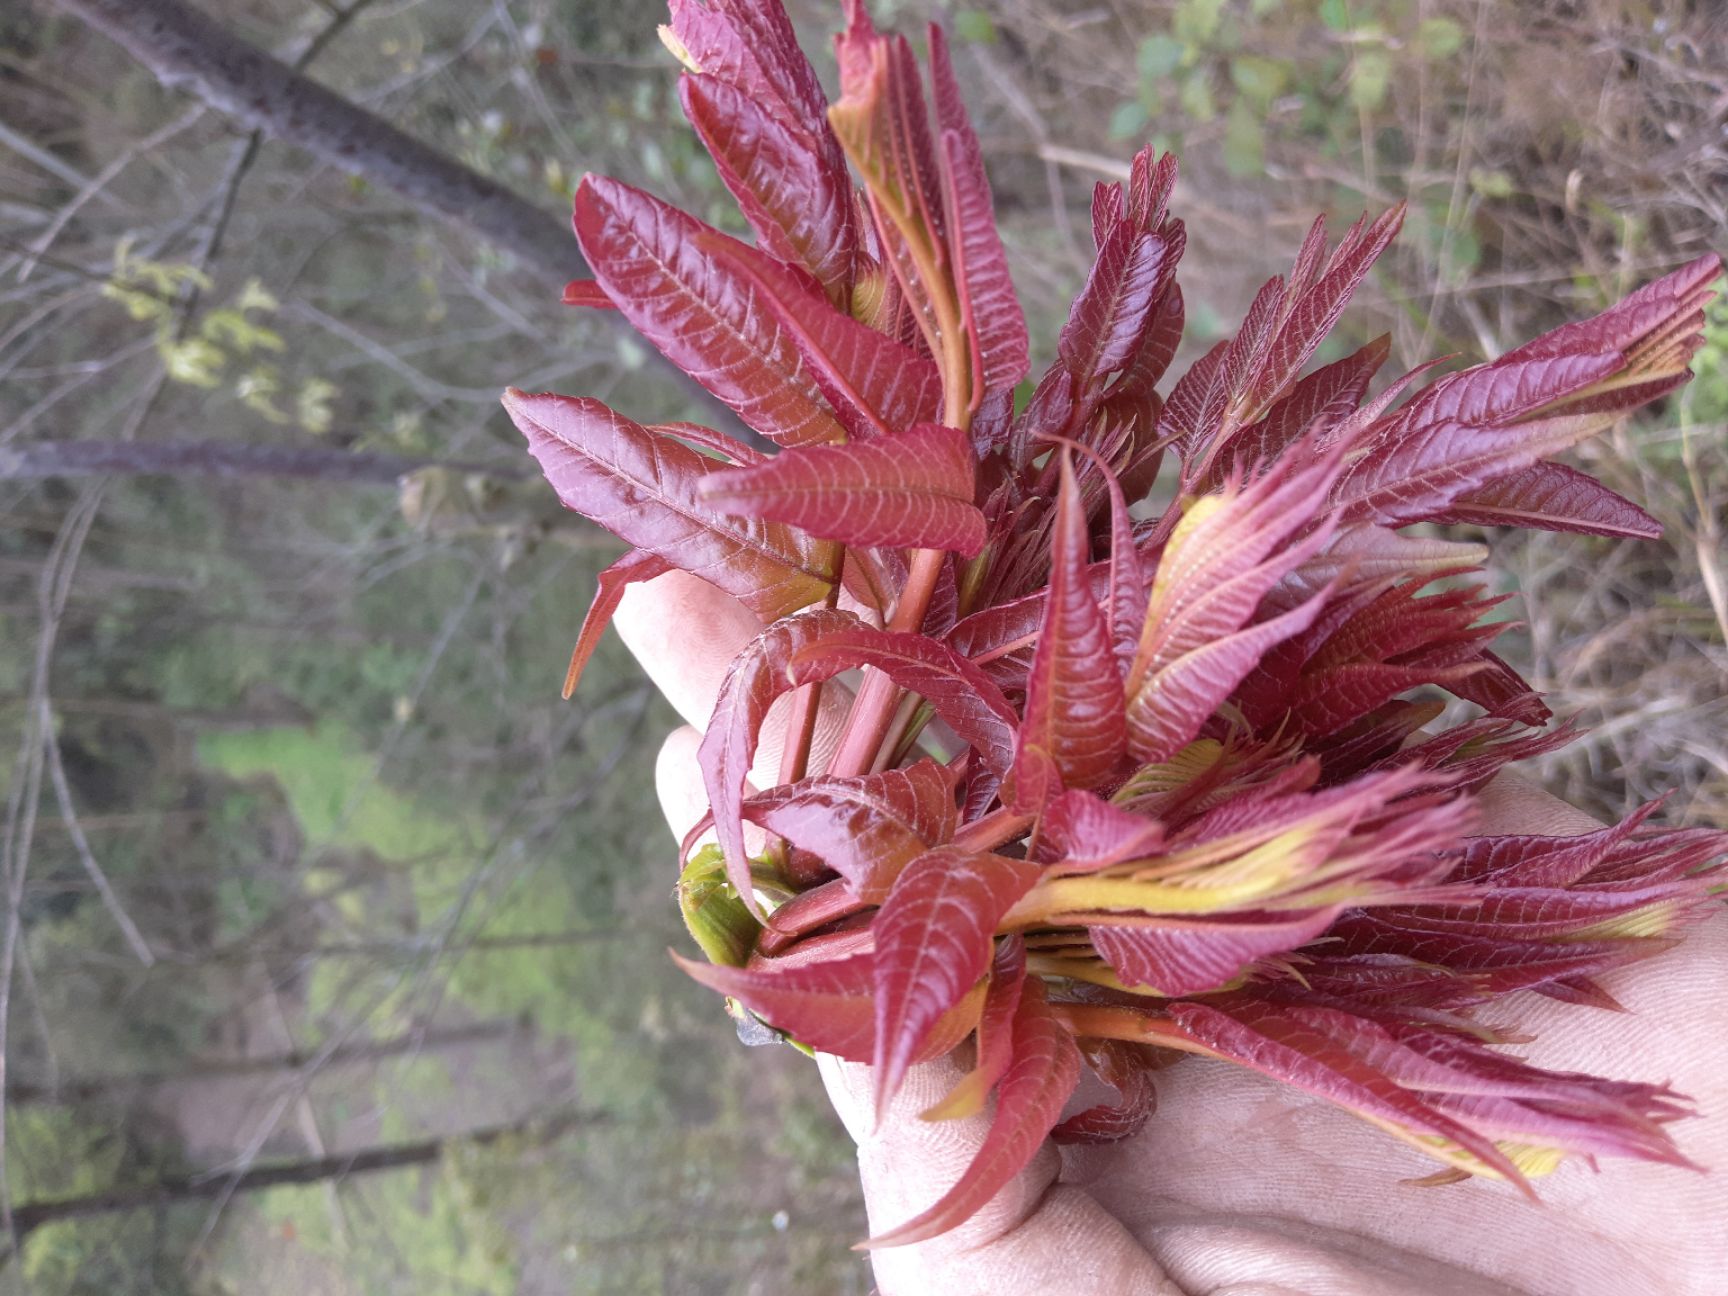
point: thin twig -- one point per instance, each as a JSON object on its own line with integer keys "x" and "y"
{"x": 81, "y": 844}
{"x": 97, "y": 185}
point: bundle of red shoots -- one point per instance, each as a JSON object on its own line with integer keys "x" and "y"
{"x": 1132, "y": 763}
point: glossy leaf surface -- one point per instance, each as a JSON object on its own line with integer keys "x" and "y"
{"x": 1074, "y": 730}
{"x": 867, "y": 828}
{"x": 934, "y": 938}
{"x": 912, "y": 490}
{"x": 960, "y": 693}
{"x": 644, "y": 487}
{"x": 1043, "y": 1072}
{"x": 758, "y": 676}
{"x": 651, "y": 260}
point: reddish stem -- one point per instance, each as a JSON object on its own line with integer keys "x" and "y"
{"x": 997, "y": 828}
{"x": 806, "y": 707}
{"x": 873, "y": 712}
{"x": 800, "y": 732}
{"x": 805, "y": 913}
{"x": 848, "y": 936}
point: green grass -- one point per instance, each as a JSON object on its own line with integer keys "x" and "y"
{"x": 331, "y": 783}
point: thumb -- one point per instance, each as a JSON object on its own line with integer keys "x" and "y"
{"x": 1035, "y": 1236}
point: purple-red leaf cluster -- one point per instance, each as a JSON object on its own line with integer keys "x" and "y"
{"x": 1108, "y": 791}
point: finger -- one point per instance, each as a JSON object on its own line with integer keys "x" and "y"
{"x": 1514, "y": 803}
{"x": 906, "y": 1163}
{"x": 1035, "y": 1236}
{"x": 683, "y": 795}
{"x": 678, "y": 781}
{"x": 686, "y": 633}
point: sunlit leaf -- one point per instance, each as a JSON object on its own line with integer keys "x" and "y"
{"x": 933, "y": 942}
{"x": 649, "y": 258}
{"x": 866, "y": 828}
{"x": 1043, "y": 1073}
{"x": 756, "y": 678}
{"x": 913, "y": 489}
{"x": 1074, "y": 729}
{"x": 643, "y": 486}
{"x": 960, "y": 693}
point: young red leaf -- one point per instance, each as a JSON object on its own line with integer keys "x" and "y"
{"x": 883, "y": 124}
{"x": 1542, "y": 910}
{"x": 961, "y": 694}
{"x": 1538, "y": 860}
{"x": 1546, "y": 1115}
{"x": 1217, "y": 566}
{"x": 1259, "y": 1038}
{"x": 867, "y": 828}
{"x": 727, "y": 449}
{"x": 1550, "y": 497}
{"x": 1074, "y": 731}
{"x": 1109, "y": 316}
{"x": 1478, "y": 426}
{"x": 1238, "y": 381}
{"x": 825, "y": 1002}
{"x": 1323, "y": 398}
{"x": 650, "y": 259}
{"x": 994, "y": 323}
{"x": 633, "y": 567}
{"x": 876, "y": 385}
{"x": 1042, "y": 1075}
{"x": 1367, "y": 556}
{"x": 1191, "y": 955}
{"x": 934, "y": 938}
{"x": 1152, "y": 356}
{"x": 1474, "y": 752}
{"x": 1124, "y": 598}
{"x": 795, "y": 193}
{"x": 749, "y": 44}
{"x": 912, "y": 490}
{"x": 1082, "y": 833}
{"x": 1194, "y": 404}
{"x": 1000, "y": 638}
{"x": 1128, "y": 320}
{"x": 1311, "y": 308}
{"x": 995, "y": 1034}
{"x": 1658, "y": 327}
{"x": 757, "y": 676}
{"x": 643, "y": 486}
{"x": 828, "y": 1005}
{"x": 1126, "y": 605}
{"x": 1287, "y": 830}
{"x": 1128, "y": 1069}
{"x": 1500, "y": 691}
{"x": 1463, "y": 432}
{"x": 1357, "y": 660}
{"x": 585, "y": 292}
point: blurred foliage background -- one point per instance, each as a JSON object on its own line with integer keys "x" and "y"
{"x": 333, "y": 957}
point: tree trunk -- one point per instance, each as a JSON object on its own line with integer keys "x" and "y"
{"x": 186, "y": 49}
{"x": 124, "y": 1088}
{"x": 223, "y": 459}
{"x": 172, "y": 1189}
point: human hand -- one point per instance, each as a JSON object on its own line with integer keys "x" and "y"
{"x": 1240, "y": 1186}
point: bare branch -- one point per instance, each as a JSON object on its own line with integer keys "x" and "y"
{"x": 179, "y": 1188}
{"x": 69, "y": 816}
{"x": 221, "y": 459}
{"x": 124, "y": 1088}
{"x": 186, "y": 49}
